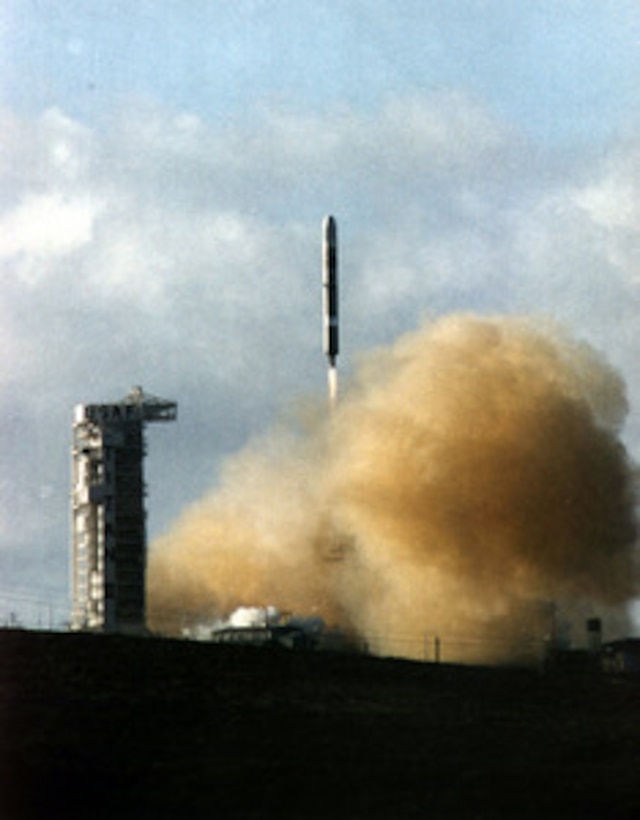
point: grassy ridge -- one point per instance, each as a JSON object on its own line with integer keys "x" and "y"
{"x": 107, "y": 726}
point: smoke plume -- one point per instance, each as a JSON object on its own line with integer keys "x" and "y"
{"x": 470, "y": 481}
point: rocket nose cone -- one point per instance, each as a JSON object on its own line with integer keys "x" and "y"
{"x": 329, "y": 227}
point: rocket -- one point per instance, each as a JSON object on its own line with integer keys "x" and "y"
{"x": 330, "y": 340}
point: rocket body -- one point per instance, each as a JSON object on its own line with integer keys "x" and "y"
{"x": 330, "y": 330}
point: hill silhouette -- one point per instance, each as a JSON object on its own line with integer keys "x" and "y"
{"x": 117, "y": 727}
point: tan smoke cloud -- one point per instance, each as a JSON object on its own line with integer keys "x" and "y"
{"x": 472, "y": 475}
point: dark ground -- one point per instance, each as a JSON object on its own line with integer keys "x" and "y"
{"x": 113, "y": 727}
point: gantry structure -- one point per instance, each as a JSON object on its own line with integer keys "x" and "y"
{"x": 109, "y": 549}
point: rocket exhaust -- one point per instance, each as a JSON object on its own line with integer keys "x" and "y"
{"x": 473, "y": 474}
{"x": 330, "y": 327}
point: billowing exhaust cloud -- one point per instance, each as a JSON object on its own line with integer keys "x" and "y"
{"x": 471, "y": 478}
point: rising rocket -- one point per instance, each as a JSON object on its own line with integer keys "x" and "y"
{"x": 330, "y": 340}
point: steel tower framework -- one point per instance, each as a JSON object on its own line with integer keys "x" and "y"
{"x": 108, "y": 517}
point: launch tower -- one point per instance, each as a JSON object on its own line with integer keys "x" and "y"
{"x": 108, "y": 516}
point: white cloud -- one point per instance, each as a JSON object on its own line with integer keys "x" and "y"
{"x": 47, "y": 225}
{"x": 611, "y": 203}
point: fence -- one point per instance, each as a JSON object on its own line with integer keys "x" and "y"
{"x": 457, "y": 648}
{"x": 22, "y": 609}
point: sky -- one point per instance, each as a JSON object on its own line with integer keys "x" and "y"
{"x": 165, "y": 168}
